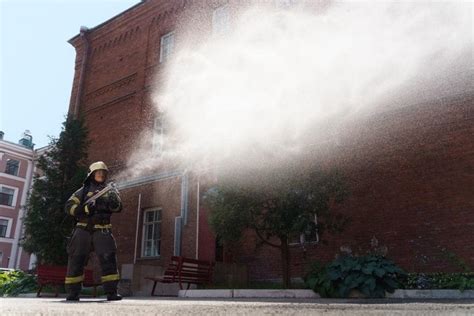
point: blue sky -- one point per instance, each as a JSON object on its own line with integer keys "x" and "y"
{"x": 37, "y": 62}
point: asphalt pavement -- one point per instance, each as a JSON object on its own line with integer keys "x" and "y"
{"x": 182, "y": 306}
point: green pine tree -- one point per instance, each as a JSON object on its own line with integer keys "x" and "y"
{"x": 64, "y": 169}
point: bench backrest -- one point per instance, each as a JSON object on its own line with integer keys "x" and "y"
{"x": 51, "y": 273}
{"x": 187, "y": 269}
{"x": 58, "y": 274}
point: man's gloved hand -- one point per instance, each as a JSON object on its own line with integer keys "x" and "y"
{"x": 113, "y": 201}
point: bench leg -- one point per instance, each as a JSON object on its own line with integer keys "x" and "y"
{"x": 94, "y": 292}
{"x": 153, "y": 290}
{"x": 189, "y": 285}
{"x": 40, "y": 287}
{"x": 57, "y": 291}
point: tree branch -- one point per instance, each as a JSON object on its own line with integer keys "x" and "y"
{"x": 266, "y": 241}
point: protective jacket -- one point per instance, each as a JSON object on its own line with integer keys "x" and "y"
{"x": 88, "y": 215}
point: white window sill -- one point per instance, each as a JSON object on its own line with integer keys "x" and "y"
{"x": 11, "y": 176}
{"x": 6, "y": 239}
{"x": 150, "y": 258}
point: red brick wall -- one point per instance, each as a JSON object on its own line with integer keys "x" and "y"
{"x": 119, "y": 68}
{"x": 411, "y": 174}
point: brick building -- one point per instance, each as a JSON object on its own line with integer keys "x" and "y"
{"x": 411, "y": 186}
{"x": 17, "y": 168}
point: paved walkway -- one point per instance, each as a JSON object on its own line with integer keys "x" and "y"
{"x": 174, "y": 306}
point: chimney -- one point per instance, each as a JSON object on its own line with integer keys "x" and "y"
{"x": 26, "y": 140}
{"x": 1, "y": 135}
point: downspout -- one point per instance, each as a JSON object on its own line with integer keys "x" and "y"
{"x": 197, "y": 221}
{"x": 83, "y": 33}
{"x": 182, "y": 220}
{"x": 138, "y": 225}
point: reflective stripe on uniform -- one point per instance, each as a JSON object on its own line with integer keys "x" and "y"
{"x": 110, "y": 277}
{"x": 76, "y": 199}
{"x": 73, "y": 208}
{"x": 70, "y": 280}
{"x": 103, "y": 226}
{"x": 86, "y": 209}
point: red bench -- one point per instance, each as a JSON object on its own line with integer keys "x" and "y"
{"x": 55, "y": 275}
{"x": 185, "y": 270}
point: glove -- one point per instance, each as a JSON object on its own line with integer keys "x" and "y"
{"x": 113, "y": 201}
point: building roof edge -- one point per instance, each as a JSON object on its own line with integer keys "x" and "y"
{"x": 72, "y": 39}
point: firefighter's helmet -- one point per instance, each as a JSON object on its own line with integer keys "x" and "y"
{"x": 98, "y": 165}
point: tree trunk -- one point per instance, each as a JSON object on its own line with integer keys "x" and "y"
{"x": 285, "y": 263}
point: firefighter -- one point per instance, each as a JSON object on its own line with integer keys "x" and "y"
{"x": 93, "y": 233}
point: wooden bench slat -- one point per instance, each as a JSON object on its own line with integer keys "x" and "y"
{"x": 56, "y": 275}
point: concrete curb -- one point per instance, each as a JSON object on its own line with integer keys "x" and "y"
{"x": 206, "y": 293}
{"x": 276, "y": 293}
{"x": 250, "y": 293}
{"x": 443, "y": 294}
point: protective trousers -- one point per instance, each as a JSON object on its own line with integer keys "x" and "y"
{"x": 78, "y": 249}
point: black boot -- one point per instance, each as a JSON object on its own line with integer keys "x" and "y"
{"x": 73, "y": 297}
{"x": 113, "y": 297}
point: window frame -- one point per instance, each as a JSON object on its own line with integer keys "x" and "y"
{"x": 15, "y": 195}
{"x": 221, "y": 22}
{"x": 164, "y": 58}
{"x": 17, "y": 167}
{"x": 9, "y": 226}
{"x": 158, "y": 135}
{"x": 145, "y": 223}
{"x": 304, "y": 238}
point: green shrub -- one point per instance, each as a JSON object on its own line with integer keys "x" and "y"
{"x": 15, "y": 282}
{"x": 318, "y": 280}
{"x": 459, "y": 281}
{"x": 372, "y": 275}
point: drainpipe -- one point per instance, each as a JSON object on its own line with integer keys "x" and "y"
{"x": 197, "y": 221}
{"x": 83, "y": 33}
{"x": 136, "y": 230}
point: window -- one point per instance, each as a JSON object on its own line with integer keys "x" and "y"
{"x": 285, "y": 4}
{"x": 12, "y": 167}
{"x": 1, "y": 258}
{"x": 151, "y": 233}
{"x": 166, "y": 46}
{"x": 309, "y": 236}
{"x": 158, "y": 132}
{"x": 220, "y": 20}
{"x": 3, "y": 227}
{"x": 6, "y": 196}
